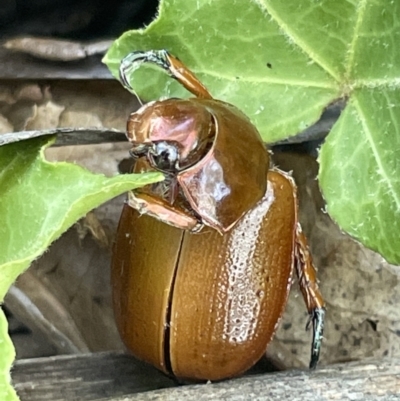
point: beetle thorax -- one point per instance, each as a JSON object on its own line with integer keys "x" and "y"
{"x": 173, "y": 135}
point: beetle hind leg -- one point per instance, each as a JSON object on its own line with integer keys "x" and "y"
{"x": 307, "y": 277}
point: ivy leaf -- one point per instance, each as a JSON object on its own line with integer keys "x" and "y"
{"x": 282, "y": 63}
{"x": 7, "y": 355}
{"x": 39, "y": 200}
{"x": 359, "y": 171}
{"x": 241, "y": 54}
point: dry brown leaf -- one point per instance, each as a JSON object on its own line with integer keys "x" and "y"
{"x": 6, "y": 94}
{"x": 47, "y": 116}
{"x": 5, "y": 125}
{"x": 76, "y": 273}
{"x": 21, "y": 114}
{"x": 91, "y": 224}
{"x": 31, "y": 92}
{"x": 66, "y": 104}
{"x": 35, "y": 304}
{"x": 102, "y": 158}
{"x": 71, "y": 118}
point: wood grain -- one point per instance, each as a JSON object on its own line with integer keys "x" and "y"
{"x": 84, "y": 377}
{"x": 119, "y": 377}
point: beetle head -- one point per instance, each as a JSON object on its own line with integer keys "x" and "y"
{"x": 172, "y": 134}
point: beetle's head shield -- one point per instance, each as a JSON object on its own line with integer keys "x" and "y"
{"x": 173, "y": 134}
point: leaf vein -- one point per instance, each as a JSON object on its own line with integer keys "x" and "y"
{"x": 381, "y": 170}
{"x": 350, "y": 53}
{"x": 270, "y": 80}
{"x": 297, "y": 40}
{"x": 257, "y": 80}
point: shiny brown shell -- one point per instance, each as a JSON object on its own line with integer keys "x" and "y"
{"x": 224, "y": 157}
{"x": 230, "y": 179}
{"x": 205, "y": 306}
{"x": 185, "y": 123}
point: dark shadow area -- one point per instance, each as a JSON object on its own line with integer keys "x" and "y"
{"x": 74, "y": 19}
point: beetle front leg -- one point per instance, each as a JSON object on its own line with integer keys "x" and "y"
{"x": 154, "y": 206}
{"x": 307, "y": 277}
{"x": 174, "y": 67}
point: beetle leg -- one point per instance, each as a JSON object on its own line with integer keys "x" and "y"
{"x": 172, "y": 65}
{"x": 159, "y": 208}
{"x": 307, "y": 277}
{"x": 162, "y": 201}
{"x": 186, "y": 77}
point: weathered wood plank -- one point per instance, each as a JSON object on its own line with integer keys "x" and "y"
{"x": 373, "y": 381}
{"x": 84, "y": 377}
{"x": 119, "y": 377}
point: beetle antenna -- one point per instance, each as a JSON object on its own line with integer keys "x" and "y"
{"x": 174, "y": 67}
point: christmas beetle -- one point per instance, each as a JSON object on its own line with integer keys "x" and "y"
{"x": 202, "y": 263}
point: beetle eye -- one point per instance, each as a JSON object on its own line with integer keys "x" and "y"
{"x": 163, "y": 156}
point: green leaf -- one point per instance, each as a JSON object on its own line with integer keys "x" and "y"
{"x": 359, "y": 170}
{"x": 282, "y": 63}
{"x": 38, "y": 202}
{"x": 230, "y": 45}
{"x": 7, "y": 355}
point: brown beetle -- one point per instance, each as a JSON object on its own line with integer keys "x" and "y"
{"x": 191, "y": 142}
{"x": 201, "y": 305}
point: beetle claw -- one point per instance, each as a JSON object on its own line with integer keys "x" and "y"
{"x": 168, "y": 63}
{"x": 317, "y": 318}
{"x": 133, "y": 60}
